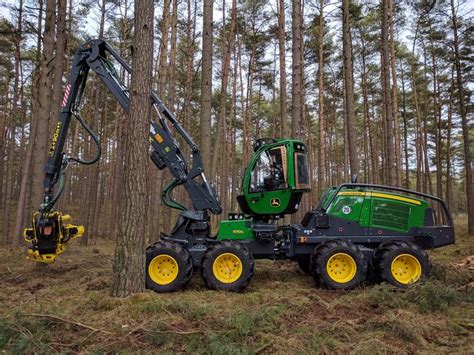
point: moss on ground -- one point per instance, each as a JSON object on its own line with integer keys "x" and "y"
{"x": 66, "y": 307}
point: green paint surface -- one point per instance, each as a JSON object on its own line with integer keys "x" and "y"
{"x": 263, "y": 202}
{"x": 387, "y": 212}
{"x": 235, "y": 230}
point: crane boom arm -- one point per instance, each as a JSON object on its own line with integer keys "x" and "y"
{"x": 166, "y": 152}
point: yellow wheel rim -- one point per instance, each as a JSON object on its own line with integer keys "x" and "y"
{"x": 406, "y": 269}
{"x": 227, "y": 268}
{"x": 341, "y": 268}
{"x": 163, "y": 269}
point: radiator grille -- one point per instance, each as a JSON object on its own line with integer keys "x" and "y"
{"x": 388, "y": 214}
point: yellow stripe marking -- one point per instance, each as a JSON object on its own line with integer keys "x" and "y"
{"x": 395, "y": 197}
{"x": 351, "y": 193}
{"x": 378, "y": 194}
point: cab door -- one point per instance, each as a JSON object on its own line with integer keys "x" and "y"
{"x": 268, "y": 186}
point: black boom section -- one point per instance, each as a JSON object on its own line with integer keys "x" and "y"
{"x": 166, "y": 152}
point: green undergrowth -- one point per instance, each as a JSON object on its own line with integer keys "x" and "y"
{"x": 66, "y": 307}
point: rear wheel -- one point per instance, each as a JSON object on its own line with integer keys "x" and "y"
{"x": 401, "y": 264}
{"x": 227, "y": 266}
{"x": 168, "y": 267}
{"x": 338, "y": 265}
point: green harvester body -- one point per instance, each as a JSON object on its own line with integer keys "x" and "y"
{"x": 273, "y": 185}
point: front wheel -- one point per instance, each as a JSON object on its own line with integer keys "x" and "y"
{"x": 168, "y": 267}
{"x": 338, "y": 265}
{"x": 227, "y": 266}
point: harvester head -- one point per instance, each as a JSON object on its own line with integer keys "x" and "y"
{"x": 48, "y": 235}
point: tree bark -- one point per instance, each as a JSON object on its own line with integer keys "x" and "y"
{"x": 155, "y": 175}
{"x": 59, "y": 58}
{"x": 221, "y": 117}
{"x": 282, "y": 63}
{"x": 206, "y": 85}
{"x": 390, "y": 174}
{"x": 405, "y": 133}
{"x": 129, "y": 261}
{"x": 349, "y": 90}
{"x": 465, "y": 127}
{"x": 321, "y": 114}
{"x": 172, "y": 62}
{"x": 437, "y": 122}
{"x": 91, "y": 197}
{"x": 43, "y": 112}
{"x": 394, "y": 93}
{"x": 7, "y": 233}
{"x": 449, "y": 187}
{"x": 296, "y": 69}
{"x": 24, "y": 203}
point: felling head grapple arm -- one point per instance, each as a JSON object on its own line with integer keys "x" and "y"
{"x": 166, "y": 151}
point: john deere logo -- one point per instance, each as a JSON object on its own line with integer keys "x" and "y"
{"x": 275, "y": 202}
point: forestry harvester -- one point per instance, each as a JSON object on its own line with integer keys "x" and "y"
{"x": 355, "y": 230}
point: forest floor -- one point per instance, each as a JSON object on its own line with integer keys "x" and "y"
{"x": 66, "y": 307}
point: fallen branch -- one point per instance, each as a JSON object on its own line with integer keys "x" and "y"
{"x": 68, "y": 321}
{"x": 180, "y": 332}
{"x": 262, "y": 348}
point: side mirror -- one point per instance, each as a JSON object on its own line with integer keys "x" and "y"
{"x": 322, "y": 220}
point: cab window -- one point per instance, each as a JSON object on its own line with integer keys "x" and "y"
{"x": 269, "y": 172}
{"x": 301, "y": 170}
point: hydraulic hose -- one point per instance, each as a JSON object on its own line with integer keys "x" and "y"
{"x": 93, "y": 136}
{"x": 45, "y": 208}
{"x": 168, "y": 200}
{"x": 48, "y": 206}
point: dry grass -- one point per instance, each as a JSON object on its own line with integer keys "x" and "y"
{"x": 66, "y": 307}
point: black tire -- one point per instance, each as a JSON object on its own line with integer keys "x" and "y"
{"x": 323, "y": 254}
{"x": 387, "y": 253}
{"x": 304, "y": 263}
{"x": 239, "y": 251}
{"x": 181, "y": 257}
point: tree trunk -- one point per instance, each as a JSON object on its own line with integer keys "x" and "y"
{"x": 437, "y": 121}
{"x": 157, "y": 179}
{"x": 428, "y": 187}
{"x": 464, "y": 123}
{"x": 172, "y": 61}
{"x": 59, "y": 59}
{"x": 42, "y": 114}
{"x": 322, "y": 121}
{"x": 221, "y": 117}
{"x": 7, "y": 233}
{"x": 296, "y": 69}
{"x": 418, "y": 135}
{"x": 233, "y": 123}
{"x": 248, "y": 104}
{"x": 349, "y": 90}
{"x": 405, "y": 133}
{"x": 129, "y": 262}
{"x": 282, "y": 62}
{"x": 390, "y": 174}
{"x": 396, "y": 124}
{"x": 449, "y": 188}
{"x": 118, "y": 168}
{"x": 24, "y": 203}
{"x": 206, "y": 85}
{"x": 93, "y": 175}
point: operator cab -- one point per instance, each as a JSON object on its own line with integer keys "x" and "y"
{"x": 275, "y": 179}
